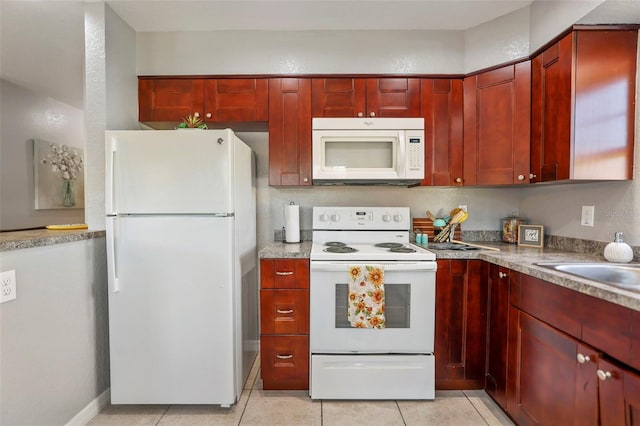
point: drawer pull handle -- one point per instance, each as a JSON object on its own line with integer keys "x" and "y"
{"x": 281, "y": 311}
{"x": 284, "y": 356}
{"x": 603, "y": 375}
{"x": 284, "y": 273}
{"x": 583, "y": 358}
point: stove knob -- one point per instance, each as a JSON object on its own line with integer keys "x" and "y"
{"x": 386, "y": 218}
{"x": 397, "y": 218}
{"x": 335, "y": 218}
{"x": 324, "y": 217}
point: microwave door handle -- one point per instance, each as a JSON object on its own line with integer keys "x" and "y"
{"x": 401, "y": 154}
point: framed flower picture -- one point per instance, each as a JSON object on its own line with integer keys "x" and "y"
{"x": 58, "y": 176}
{"x": 531, "y": 235}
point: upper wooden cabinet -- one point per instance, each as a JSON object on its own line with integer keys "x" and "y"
{"x": 289, "y": 132}
{"x": 497, "y": 107}
{"x": 583, "y": 115}
{"x": 212, "y": 99}
{"x": 366, "y": 97}
{"x": 169, "y": 99}
{"x": 441, "y": 104}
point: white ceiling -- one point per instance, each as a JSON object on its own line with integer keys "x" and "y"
{"x": 298, "y": 15}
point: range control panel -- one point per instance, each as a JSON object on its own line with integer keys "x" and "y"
{"x": 368, "y": 218}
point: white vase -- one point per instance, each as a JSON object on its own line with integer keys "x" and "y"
{"x": 618, "y": 251}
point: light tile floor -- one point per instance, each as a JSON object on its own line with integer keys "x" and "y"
{"x": 266, "y": 408}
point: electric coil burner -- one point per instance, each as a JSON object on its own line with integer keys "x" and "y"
{"x": 397, "y": 361}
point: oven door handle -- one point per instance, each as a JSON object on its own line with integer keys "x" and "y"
{"x": 329, "y": 266}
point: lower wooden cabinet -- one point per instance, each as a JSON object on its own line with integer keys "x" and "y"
{"x": 570, "y": 357}
{"x": 461, "y": 321}
{"x": 284, "y": 323}
{"x": 546, "y": 384}
{"x": 499, "y": 281}
{"x": 619, "y": 390}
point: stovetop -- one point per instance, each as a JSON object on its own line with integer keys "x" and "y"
{"x": 364, "y": 234}
{"x": 366, "y": 252}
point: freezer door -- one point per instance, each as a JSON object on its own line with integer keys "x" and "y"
{"x": 169, "y": 171}
{"x": 173, "y": 298}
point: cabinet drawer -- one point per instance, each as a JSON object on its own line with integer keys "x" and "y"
{"x": 284, "y": 362}
{"x": 557, "y": 306}
{"x": 284, "y": 311}
{"x": 284, "y": 273}
{"x": 607, "y": 326}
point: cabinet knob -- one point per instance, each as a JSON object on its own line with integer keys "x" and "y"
{"x": 196, "y": 114}
{"x": 284, "y": 273}
{"x": 305, "y": 179}
{"x": 521, "y": 177}
{"x": 502, "y": 275}
{"x": 372, "y": 114}
{"x": 582, "y": 358}
{"x": 360, "y": 114}
{"x": 603, "y": 375}
{"x": 284, "y": 311}
{"x": 532, "y": 176}
{"x": 459, "y": 180}
{"x": 208, "y": 115}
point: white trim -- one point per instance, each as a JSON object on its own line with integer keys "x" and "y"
{"x": 91, "y": 410}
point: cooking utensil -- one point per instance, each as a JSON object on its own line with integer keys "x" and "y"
{"x": 431, "y": 216}
{"x": 450, "y": 227}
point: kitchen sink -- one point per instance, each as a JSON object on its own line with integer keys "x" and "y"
{"x": 621, "y": 275}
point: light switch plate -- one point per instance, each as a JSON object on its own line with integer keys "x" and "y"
{"x": 588, "y": 213}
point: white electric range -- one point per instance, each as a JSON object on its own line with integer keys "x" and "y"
{"x": 397, "y": 361}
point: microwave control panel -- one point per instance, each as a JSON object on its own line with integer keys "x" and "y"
{"x": 414, "y": 154}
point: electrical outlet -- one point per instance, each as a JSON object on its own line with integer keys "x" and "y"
{"x": 7, "y": 286}
{"x": 463, "y": 207}
{"x": 588, "y": 213}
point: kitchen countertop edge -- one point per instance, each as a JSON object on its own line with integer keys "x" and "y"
{"x": 517, "y": 258}
{"x": 16, "y": 240}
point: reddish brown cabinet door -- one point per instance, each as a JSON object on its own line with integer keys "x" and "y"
{"x": 393, "y": 97}
{"x": 543, "y": 380}
{"x": 338, "y": 97}
{"x": 497, "y": 106}
{"x": 289, "y": 132}
{"x": 236, "y": 99}
{"x": 441, "y": 104}
{"x": 499, "y": 280}
{"x": 365, "y": 97}
{"x": 460, "y": 338}
{"x": 169, "y": 99}
{"x": 619, "y": 389}
{"x": 582, "y": 118}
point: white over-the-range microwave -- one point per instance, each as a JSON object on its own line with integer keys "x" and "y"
{"x": 368, "y": 151}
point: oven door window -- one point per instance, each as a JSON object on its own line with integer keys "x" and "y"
{"x": 397, "y": 306}
{"x": 409, "y": 312}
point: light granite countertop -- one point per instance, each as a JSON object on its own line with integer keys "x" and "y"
{"x": 517, "y": 258}
{"x": 16, "y": 240}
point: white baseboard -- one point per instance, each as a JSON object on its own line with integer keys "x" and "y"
{"x": 91, "y": 410}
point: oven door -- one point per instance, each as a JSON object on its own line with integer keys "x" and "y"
{"x": 409, "y": 310}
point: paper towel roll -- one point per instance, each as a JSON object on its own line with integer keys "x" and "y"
{"x": 292, "y": 223}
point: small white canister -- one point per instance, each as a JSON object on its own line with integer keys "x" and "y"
{"x": 618, "y": 251}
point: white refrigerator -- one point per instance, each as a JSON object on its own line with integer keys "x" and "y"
{"x": 182, "y": 265}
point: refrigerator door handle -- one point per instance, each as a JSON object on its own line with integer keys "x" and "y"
{"x": 111, "y": 179}
{"x": 111, "y": 247}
